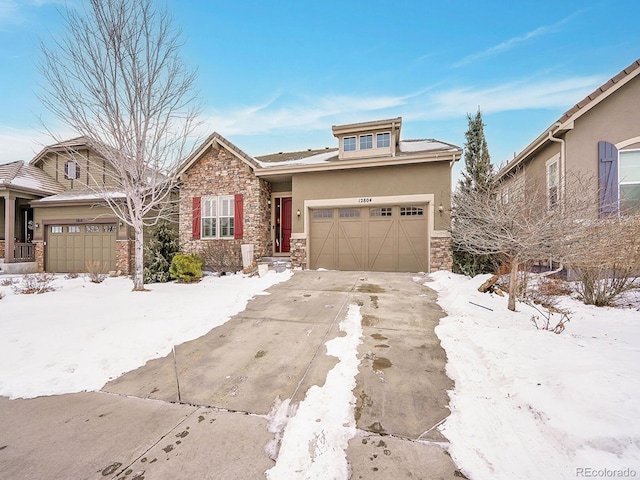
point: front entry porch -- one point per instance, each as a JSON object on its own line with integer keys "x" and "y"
{"x": 17, "y": 252}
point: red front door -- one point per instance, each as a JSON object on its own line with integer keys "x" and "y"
{"x": 283, "y": 225}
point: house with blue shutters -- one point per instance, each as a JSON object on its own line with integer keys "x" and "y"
{"x": 598, "y": 139}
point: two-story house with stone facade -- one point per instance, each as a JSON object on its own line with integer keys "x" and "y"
{"x": 375, "y": 202}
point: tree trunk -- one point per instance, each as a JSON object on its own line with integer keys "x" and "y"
{"x": 138, "y": 268}
{"x": 513, "y": 284}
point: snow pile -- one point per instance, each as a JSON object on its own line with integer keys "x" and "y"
{"x": 83, "y": 334}
{"x": 316, "y": 437}
{"x": 529, "y": 403}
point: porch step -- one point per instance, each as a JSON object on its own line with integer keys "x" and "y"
{"x": 276, "y": 263}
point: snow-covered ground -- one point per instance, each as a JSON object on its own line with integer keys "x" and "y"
{"x": 83, "y": 334}
{"x": 527, "y": 403}
{"x": 531, "y": 404}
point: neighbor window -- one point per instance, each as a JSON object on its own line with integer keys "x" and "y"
{"x": 349, "y": 144}
{"x": 552, "y": 184}
{"x": 71, "y": 170}
{"x": 366, "y": 141}
{"x": 217, "y": 217}
{"x": 629, "y": 171}
{"x": 383, "y": 140}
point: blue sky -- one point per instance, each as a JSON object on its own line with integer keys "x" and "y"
{"x": 275, "y": 76}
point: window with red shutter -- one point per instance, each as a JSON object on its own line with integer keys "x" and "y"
{"x": 195, "y": 219}
{"x": 238, "y": 216}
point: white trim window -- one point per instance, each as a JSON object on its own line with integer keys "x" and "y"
{"x": 366, "y": 141}
{"x": 217, "y": 218}
{"x": 383, "y": 140}
{"x": 553, "y": 184}
{"x": 629, "y": 179}
{"x": 349, "y": 144}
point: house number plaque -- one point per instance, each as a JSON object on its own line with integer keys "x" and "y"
{"x": 365, "y": 200}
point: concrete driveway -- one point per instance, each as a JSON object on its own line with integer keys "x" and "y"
{"x": 201, "y": 413}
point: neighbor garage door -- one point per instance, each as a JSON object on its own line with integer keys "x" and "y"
{"x": 70, "y": 247}
{"x": 387, "y": 239}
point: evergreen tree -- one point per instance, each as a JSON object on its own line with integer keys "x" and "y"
{"x": 162, "y": 246}
{"x": 477, "y": 177}
{"x": 478, "y": 174}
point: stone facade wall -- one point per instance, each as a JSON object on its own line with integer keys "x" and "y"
{"x": 298, "y": 253}
{"x": 40, "y": 255}
{"x": 219, "y": 172}
{"x": 441, "y": 258}
{"x": 1, "y": 248}
{"x": 124, "y": 256}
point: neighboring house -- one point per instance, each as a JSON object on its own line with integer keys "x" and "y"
{"x": 374, "y": 203}
{"x": 74, "y": 227}
{"x": 599, "y": 139}
{"x": 53, "y": 220}
{"x": 21, "y": 183}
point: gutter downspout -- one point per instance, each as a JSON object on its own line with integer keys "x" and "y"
{"x": 563, "y": 154}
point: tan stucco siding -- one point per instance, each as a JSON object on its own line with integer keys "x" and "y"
{"x": 536, "y": 168}
{"x": 615, "y": 119}
{"x": 432, "y": 178}
{"x": 73, "y": 215}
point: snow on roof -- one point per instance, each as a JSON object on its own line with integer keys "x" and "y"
{"x": 308, "y": 157}
{"x": 22, "y": 175}
{"x": 424, "y": 145}
{"x": 80, "y": 195}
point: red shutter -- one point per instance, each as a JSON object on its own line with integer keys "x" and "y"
{"x": 237, "y": 216}
{"x": 195, "y": 219}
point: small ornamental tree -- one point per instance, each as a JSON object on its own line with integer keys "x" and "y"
{"x": 159, "y": 252}
{"x": 477, "y": 177}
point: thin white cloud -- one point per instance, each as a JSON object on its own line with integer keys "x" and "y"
{"x": 514, "y": 42}
{"x": 283, "y": 116}
{"x": 25, "y": 143}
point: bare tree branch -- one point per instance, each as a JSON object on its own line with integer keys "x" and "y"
{"x": 117, "y": 79}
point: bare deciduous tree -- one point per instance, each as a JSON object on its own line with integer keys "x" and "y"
{"x": 518, "y": 222}
{"x": 523, "y": 222}
{"x": 117, "y": 79}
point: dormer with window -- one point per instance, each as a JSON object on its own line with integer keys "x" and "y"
{"x": 368, "y": 139}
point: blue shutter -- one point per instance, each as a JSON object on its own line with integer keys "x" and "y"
{"x": 608, "y": 178}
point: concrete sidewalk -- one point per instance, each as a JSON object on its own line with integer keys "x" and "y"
{"x": 201, "y": 413}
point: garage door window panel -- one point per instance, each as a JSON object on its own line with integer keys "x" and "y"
{"x": 411, "y": 211}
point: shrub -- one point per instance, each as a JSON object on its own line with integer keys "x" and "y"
{"x": 186, "y": 268}
{"x": 7, "y": 282}
{"x": 600, "y": 286}
{"x": 221, "y": 256}
{"x": 97, "y": 271}
{"x": 71, "y": 275}
{"x": 471, "y": 264}
{"x": 36, "y": 283}
{"x": 163, "y": 245}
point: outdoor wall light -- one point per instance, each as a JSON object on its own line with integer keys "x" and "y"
{"x": 441, "y": 209}
{"x": 37, "y": 225}
{"x": 298, "y": 213}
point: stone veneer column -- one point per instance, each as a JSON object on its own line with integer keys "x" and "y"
{"x": 124, "y": 251}
{"x": 298, "y": 253}
{"x": 39, "y": 253}
{"x": 1, "y": 248}
{"x": 441, "y": 257}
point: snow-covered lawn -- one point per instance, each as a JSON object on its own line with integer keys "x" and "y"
{"x": 531, "y": 404}
{"x": 527, "y": 403}
{"x": 83, "y": 334}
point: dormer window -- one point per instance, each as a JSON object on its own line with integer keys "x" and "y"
{"x": 366, "y": 142}
{"x": 349, "y": 144}
{"x": 383, "y": 140}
